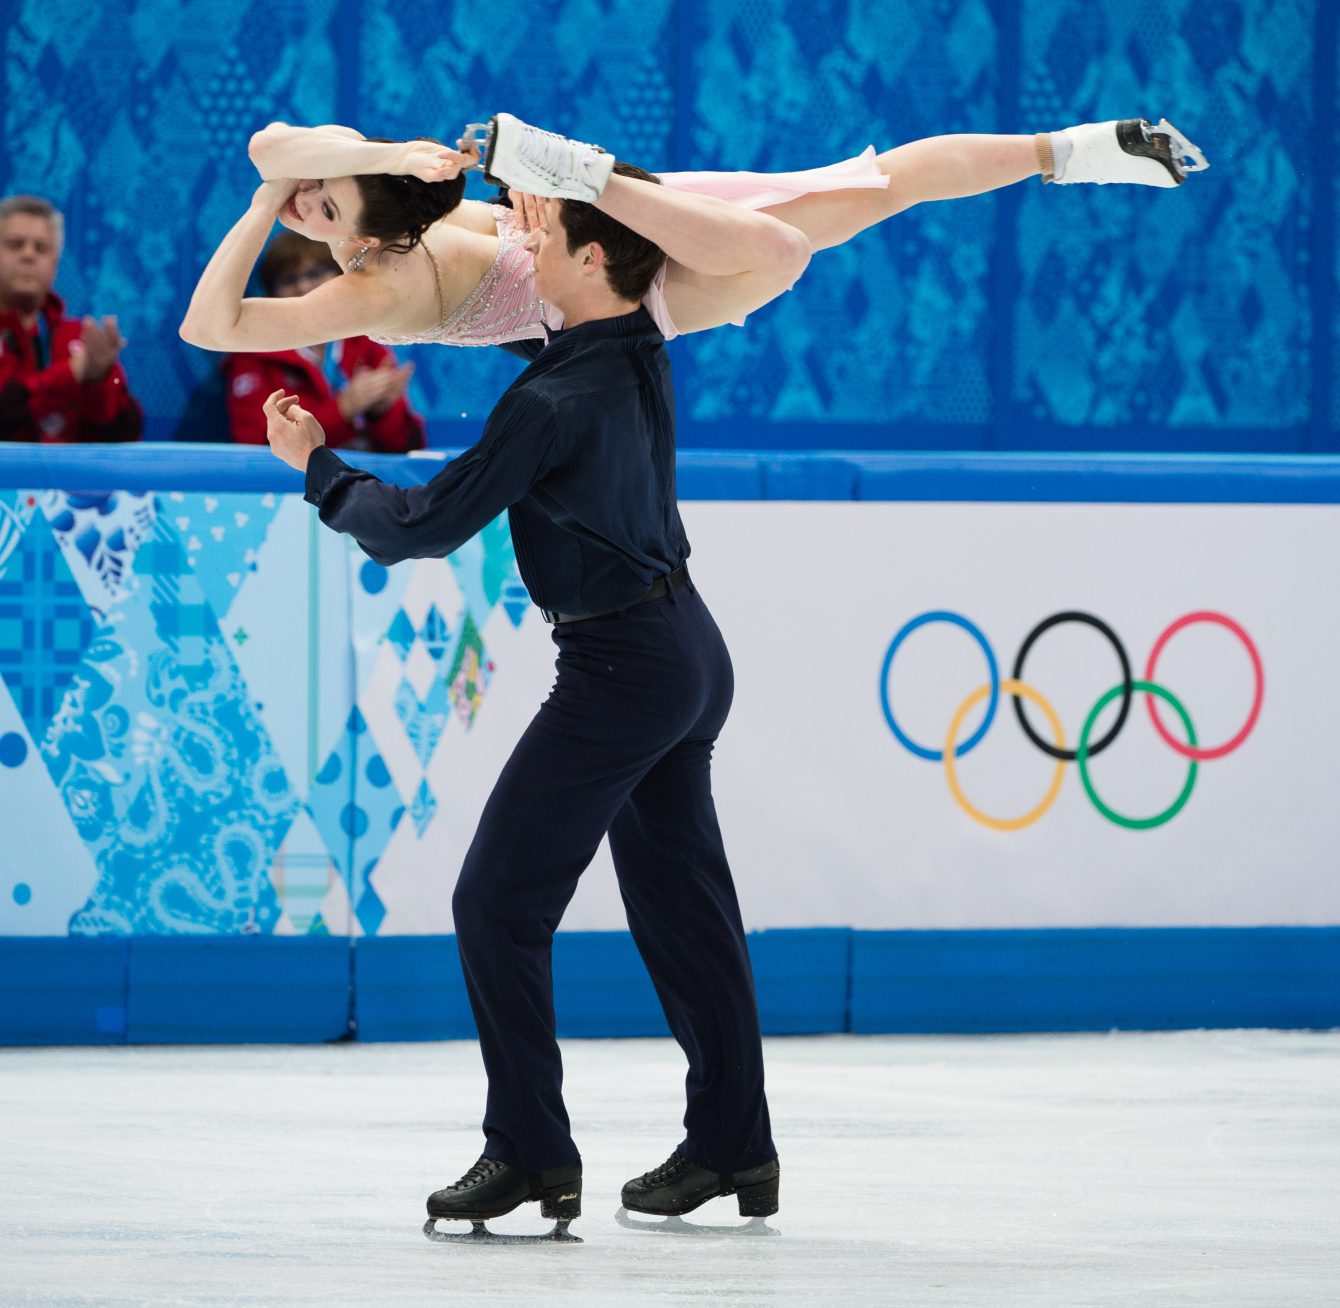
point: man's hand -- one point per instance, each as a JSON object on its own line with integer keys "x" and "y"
{"x": 531, "y": 212}
{"x": 93, "y": 355}
{"x": 292, "y": 432}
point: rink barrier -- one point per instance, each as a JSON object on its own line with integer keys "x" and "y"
{"x": 744, "y": 475}
{"x": 57, "y": 990}
{"x": 251, "y": 989}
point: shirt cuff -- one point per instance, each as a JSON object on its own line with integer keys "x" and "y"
{"x": 323, "y": 466}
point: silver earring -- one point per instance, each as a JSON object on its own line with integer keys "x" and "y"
{"x": 356, "y": 263}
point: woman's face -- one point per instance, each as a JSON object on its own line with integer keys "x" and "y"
{"x": 324, "y": 210}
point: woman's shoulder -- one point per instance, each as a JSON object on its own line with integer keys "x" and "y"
{"x": 474, "y": 216}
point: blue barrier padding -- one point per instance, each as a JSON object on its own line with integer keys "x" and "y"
{"x": 1101, "y": 478}
{"x": 238, "y": 989}
{"x": 601, "y": 987}
{"x": 801, "y": 978}
{"x": 712, "y": 476}
{"x": 230, "y": 989}
{"x": 811, "y": 477}
{"x": 1095, "y": 979}
{"x": 743, "y": 474}
{"x": 410, "y": 988}
{"x": 62, "y": 991}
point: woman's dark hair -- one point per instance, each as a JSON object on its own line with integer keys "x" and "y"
{"x": 398, "y": 210}
{"x": 631, "y": 261}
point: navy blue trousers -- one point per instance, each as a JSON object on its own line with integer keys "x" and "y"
{"x": 622, "y": 745}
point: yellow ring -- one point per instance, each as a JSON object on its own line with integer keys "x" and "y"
{"x": 1019, "y": 690}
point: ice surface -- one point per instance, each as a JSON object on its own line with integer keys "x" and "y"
{"x": 1169, "y": 1169}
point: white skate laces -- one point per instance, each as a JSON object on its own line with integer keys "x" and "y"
{"x": 525, "y": 158}
{"x": 1129, "y": 150}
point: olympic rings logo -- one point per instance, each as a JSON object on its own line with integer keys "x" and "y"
{"x": 1086, "y": 748}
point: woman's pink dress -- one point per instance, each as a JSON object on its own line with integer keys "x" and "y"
{"x": 503, "y": 307}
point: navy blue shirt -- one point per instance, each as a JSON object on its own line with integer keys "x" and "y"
{"x": 581, "y": 452}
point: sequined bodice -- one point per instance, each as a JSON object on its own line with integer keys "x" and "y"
{"x": 502, "y": 307}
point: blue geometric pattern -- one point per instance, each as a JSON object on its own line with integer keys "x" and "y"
{"x": 1184, "y": 308}
{"x": 45, "y": 627}
{"x": 896, "y": 323}
{"x": 423, "y": 720}
{"x": 234, "y": 534}
{"x": 99, "y": 533}
{"x": 166, "y": 803}
{"x": 1054, "y": 316}
{"x": 355, "y": 807}
{"x": 166, "y": 770}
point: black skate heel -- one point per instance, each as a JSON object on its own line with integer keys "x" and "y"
{"x": 759, "y": 1200}
{"x": 562, "y": 1202}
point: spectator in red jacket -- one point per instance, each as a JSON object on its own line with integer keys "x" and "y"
{"x": 353, "y": 387}
{"x": 60, "y": 379}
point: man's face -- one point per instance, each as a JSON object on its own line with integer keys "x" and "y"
{"x": 557, "y": 273}
{"x": 28, "y": 260}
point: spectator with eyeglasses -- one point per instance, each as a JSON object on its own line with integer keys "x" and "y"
{"x": 61, "y": 380}
{"x": 354, "y": 387}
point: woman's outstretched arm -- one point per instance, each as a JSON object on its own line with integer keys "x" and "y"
{"x": 219, "y": 318}
{"x": 284, "y": 151}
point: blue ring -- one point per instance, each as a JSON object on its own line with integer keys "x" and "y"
{"x": 939, "y": 615}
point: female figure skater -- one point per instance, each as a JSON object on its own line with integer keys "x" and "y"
{"x": 424, "y": 265}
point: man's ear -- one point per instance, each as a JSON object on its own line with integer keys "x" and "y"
{"x": 593, "y": 258}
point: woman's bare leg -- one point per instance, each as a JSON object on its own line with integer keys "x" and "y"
{"x": 936, "y": 168}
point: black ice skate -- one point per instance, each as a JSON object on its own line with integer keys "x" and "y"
{"x": 679, "y": 1186}
{"x": 492, "y": 1189}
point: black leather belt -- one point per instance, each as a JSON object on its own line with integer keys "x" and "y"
{"x": 659, "y": 587}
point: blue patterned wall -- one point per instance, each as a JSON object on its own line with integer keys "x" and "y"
{"x": 1035, "y": 318}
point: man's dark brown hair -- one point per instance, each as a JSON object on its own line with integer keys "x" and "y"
{"x": 631, "y": 261}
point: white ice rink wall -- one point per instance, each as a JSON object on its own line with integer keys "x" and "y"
{"x": 240, "y": 764}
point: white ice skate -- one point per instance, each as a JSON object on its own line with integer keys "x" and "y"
{"x": 524, "y": 158}
{"x": 1130, "y": 150}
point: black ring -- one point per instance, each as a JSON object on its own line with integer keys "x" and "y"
{"x": 1072, "y": 615}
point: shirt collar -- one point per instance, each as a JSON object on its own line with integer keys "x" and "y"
{"x": 637, "y": 323}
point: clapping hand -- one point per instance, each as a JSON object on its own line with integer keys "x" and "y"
{"x": 292, "y": 432}
{"x": 93, "y": 355}
{"x": 371, "y": 391}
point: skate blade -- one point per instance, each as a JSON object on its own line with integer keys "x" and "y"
{"x": 678, "y": 1226}
{"x": 477, "y": 134}
{"x": 1186, "y": 155}
{"x": 480, "y": 1234}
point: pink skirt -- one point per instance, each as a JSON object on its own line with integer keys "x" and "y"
{"x": 760, "y": 191}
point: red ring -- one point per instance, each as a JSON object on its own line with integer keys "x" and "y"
{"x": 1218, "y": 751}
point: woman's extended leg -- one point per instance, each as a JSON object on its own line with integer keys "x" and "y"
{"x": 936, "y": 168}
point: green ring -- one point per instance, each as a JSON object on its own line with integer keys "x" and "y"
{"x": 1082, "y": 757}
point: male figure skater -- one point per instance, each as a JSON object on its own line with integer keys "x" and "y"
{"x": 581, "y": 452}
